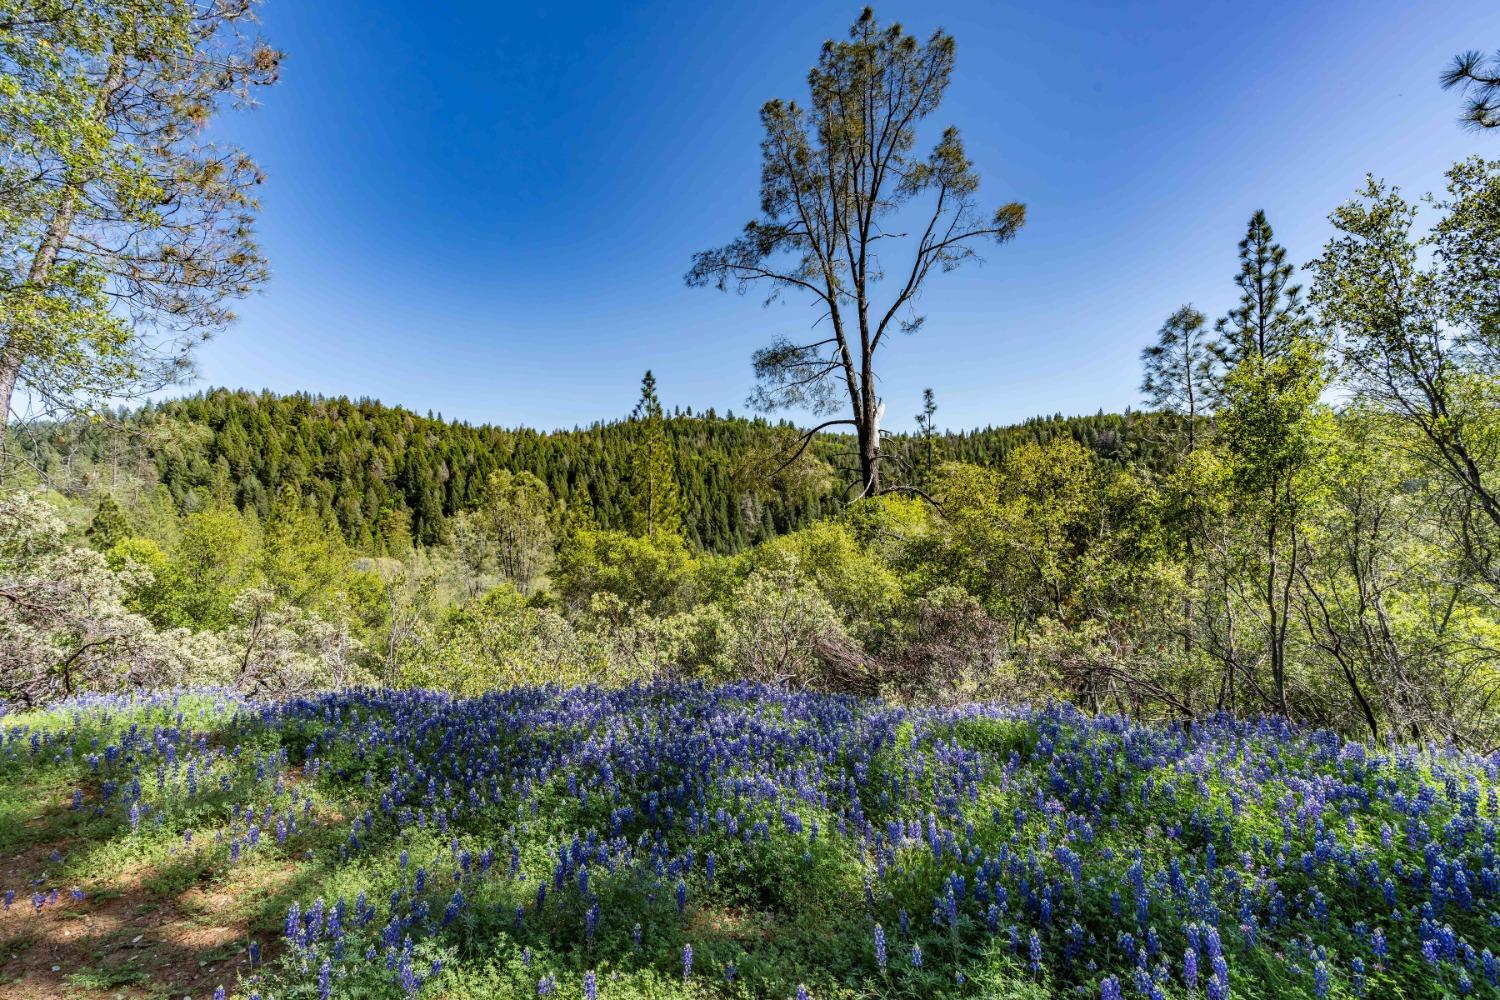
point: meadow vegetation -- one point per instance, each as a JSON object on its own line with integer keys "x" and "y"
{"x": 686, "y": 840}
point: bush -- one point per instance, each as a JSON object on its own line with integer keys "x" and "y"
{"x": 498, "y": 641}
{"x": 653, "y": 574}
{"x": 778, "y": 629}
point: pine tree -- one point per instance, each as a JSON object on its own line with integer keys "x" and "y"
{"x": 655, "y": 499}
{"x": 578, "y": 513}
{"x": 1479, "y": 81}
{"x": 1177, "y": 368}
{"x": 926, "y": 428}
{"x": 1271, "y": 315}
{"x": 835, "y": 174}
{"x": 1274, "y": 375}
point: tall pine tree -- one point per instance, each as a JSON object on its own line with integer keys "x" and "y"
{"x": 655, "y": 499}
{"x": 1271, "y": 314}
{"x": 109, "y": 526}
{"x": 1176, "y": 368}
{"x": 1274, "y": 375}
{"x": 927, "y": 428}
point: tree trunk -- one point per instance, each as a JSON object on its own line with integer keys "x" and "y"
{"x": 10, "y": 370}
{"x": 1274, "y": 629}
{"x": 869, "y": 447}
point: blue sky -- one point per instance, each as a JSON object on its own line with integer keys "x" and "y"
{"x": 486, "y": 209}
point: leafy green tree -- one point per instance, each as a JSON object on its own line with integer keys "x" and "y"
{"x": 1271, "y": 377}
{"x": 471, "y": 544}
{"x": 498, "y": 641}
{"x": 834, "y": 177}
{"x": 1270, "y": 427}
{"x": 856, "y": 583}
{"x": 124, "y": 233}
{"x": 212, "y": 563}
{"x": 521, "y": 517}
{"x": 109, "y": 526}
{"x": 655, "y": 498}
{"x": 302, "y": 559}
{"x": 1421, "y": 340}
{"x": 650, "y": 573}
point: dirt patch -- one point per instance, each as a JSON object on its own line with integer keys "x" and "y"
{"x": 730, "y": 923}
{"x": 123, "y": 940}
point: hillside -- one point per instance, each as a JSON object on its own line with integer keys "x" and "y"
{"x": 362, "y": 461}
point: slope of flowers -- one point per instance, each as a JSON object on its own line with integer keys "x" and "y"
{"x": 740, "y": 841}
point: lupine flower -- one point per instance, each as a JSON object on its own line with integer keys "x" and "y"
{"x": 293, "y": 932}
{"x": 687, "y": 961}
{"x": 1328, "y": 801}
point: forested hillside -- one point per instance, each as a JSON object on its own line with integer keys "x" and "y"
{"x": 388, "y": 476}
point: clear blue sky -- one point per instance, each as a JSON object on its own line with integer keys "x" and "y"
{"x": 485, "y": 209}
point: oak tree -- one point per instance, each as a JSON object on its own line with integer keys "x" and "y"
{"x": 125, "y": 231}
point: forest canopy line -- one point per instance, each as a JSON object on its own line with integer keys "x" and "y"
{"x": 388, "y": 477}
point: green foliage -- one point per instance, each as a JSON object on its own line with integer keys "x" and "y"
{"x": 655, "y": 500}
{"x": 856, "y": 583}
{"x": 389, "y": 478}
{"x": 653, "y": 574}
{"x": 109, "y": 526}
{"x": 113, "y": 195}
{"x": 500, "y": 641}
{"x": 1002, "y": 739}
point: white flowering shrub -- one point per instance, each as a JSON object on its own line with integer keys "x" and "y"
{"x": 64, "y": 626}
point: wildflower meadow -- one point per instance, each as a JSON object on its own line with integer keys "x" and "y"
{"x": 738, "y": 841}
